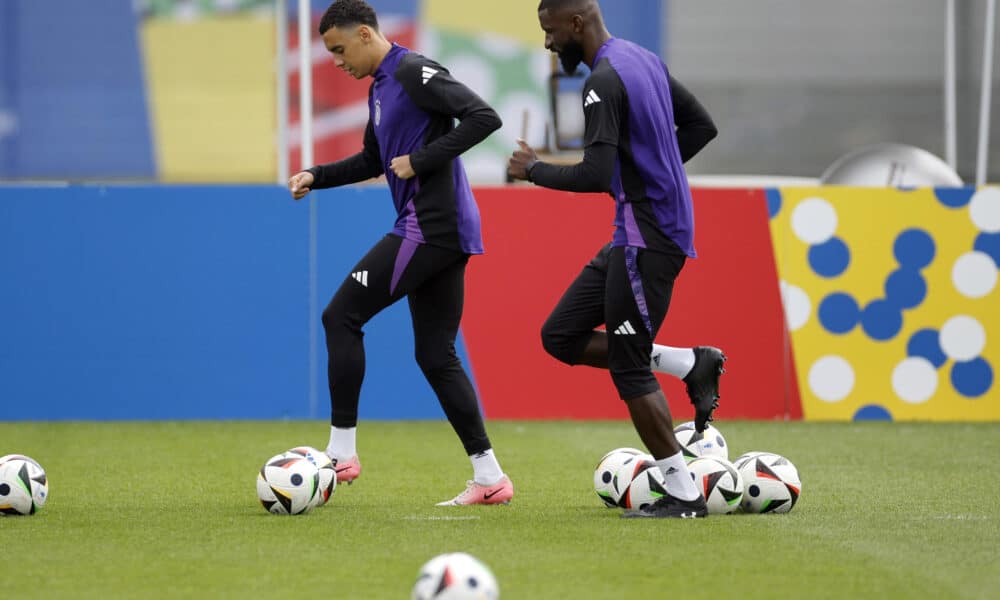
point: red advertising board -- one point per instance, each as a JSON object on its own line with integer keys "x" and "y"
{"x": 538, "y": 240}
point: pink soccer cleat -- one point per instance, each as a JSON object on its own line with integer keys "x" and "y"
{"x": 347, "y": 470}
{"x": 499, "y": 493}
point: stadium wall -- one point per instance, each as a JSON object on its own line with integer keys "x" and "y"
{"x": 179, "y": 302}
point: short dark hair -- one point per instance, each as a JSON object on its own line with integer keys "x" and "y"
{"x": 343, "y": 13}
{"x": 559, "y": 5}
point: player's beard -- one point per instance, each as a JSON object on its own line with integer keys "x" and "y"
{"x": 571, "y": 56}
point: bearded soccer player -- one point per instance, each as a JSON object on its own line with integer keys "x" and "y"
{"x": 412, "y": 139}
{"x": 640, "y": 126}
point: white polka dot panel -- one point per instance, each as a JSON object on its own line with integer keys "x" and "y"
{"x": 974, "y": 274}
{"x": 915, "y": 380}
{"x": 797, "y": 305}
{"x": 831, "y": 378}
{"x": 963, "y": 338}
{"x": 984, "y": 209}
{"x": 814, "y": 221}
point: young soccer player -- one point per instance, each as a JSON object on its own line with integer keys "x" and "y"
{"x": 411, "y": 138}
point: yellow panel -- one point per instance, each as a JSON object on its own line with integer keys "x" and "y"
{"x": 517, "y": 19}
{"x": 212, "y": 98}
{"x": 869, "y": 221}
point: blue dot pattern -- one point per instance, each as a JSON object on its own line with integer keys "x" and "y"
{"x": 839, "y": 313}
{"x": 926, "y": 343}
{"x": 830, "y": 258}
{"x": 973, "y": 378}
{"x": 905, "y": 288}
{"x": 954, "y": 197}
{"x": 989, "y": 243}
{"x": 872, "y": 412}
{"x": 881, "y": 320}
{"x": 914, "y": 248}
{"x": 773, "y": 202}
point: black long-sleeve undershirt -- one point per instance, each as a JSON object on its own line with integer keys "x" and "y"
{"x": 593, "y": 174}
{"x": 358, "y": 167}
{"x": 694, "y": 129}
{"x": 440, "y": 96}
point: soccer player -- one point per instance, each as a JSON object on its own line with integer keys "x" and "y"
{"x": 640, "y": 125}
{"x": 412, "y": 139}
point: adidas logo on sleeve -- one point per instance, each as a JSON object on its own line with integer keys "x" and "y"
{"x": 591, "y": 98}
{"x": 428, "y": 73}
{"x": 361, "y": 277}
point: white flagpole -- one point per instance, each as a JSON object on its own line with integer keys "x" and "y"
{"x": 281, "y": 83}
{"x": 305, "y": 122}
{"x": 950, "y": 85}
{"x": 987, "y": 88}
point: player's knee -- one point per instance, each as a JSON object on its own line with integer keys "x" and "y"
{"x": 557, "y": 344}
{"x": 335, "y": 318}
{"x": 432, "y": 359}
{"x": 329, "y": 317}
{"x": 632, "y": 383}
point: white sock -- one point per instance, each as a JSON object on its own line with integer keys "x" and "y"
{"x": 486, "y": 470}
{"x": 677, "y": 477}
{"x": 343, "y": 443}
{"x": 675, "y": 361}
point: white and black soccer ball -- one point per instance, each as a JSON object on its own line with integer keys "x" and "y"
{"x": 455, "y": 576}
{"x": 24, "y": 486}
{"x": 604, "y": 473}
{"x": 288, "y": 485}
{"x": 743, "y": 458}
{"x": 719, "y": 482}
{"x": 771, "y": 483}
{"x": 7, "y": 457}
{"x": 639, "y": 483}
{"x": 327, "y": 471}
{"x": 707, "y": 443}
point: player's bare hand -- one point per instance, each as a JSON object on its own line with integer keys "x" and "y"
{"x": 521, "y": 161}
{"x": 401, "y": 167}
{"x": 299, "y": 184}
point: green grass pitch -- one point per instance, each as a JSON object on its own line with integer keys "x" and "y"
{"x": 169, "y": 510}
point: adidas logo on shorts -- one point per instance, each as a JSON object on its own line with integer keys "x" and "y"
{"x": 625, "y": 329}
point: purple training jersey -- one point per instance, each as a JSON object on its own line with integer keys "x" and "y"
{"x": 627, "y": 103}
{"x": 413, "y": 103}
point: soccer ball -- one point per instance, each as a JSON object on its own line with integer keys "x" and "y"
{"x": 327, "y": 472}
{"x": 743, "y": 458}
{"x": 639, "y": 483}
{"x": 707, "y": 443}
{"x": 627, "y": 450}
{"x": 455, "y": 576}
{"x": 772, "y": 484}
{"x": 4, "y": 459}
{"x": 288, "y": 485}
{"x": 24, "y": 487}
{"x": 604, "y": 473}
{"x": 719, "y": 482}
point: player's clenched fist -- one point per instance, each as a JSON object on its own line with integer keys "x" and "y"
{"x": 299, "y": 184}
{"x": 520, "y": 163}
